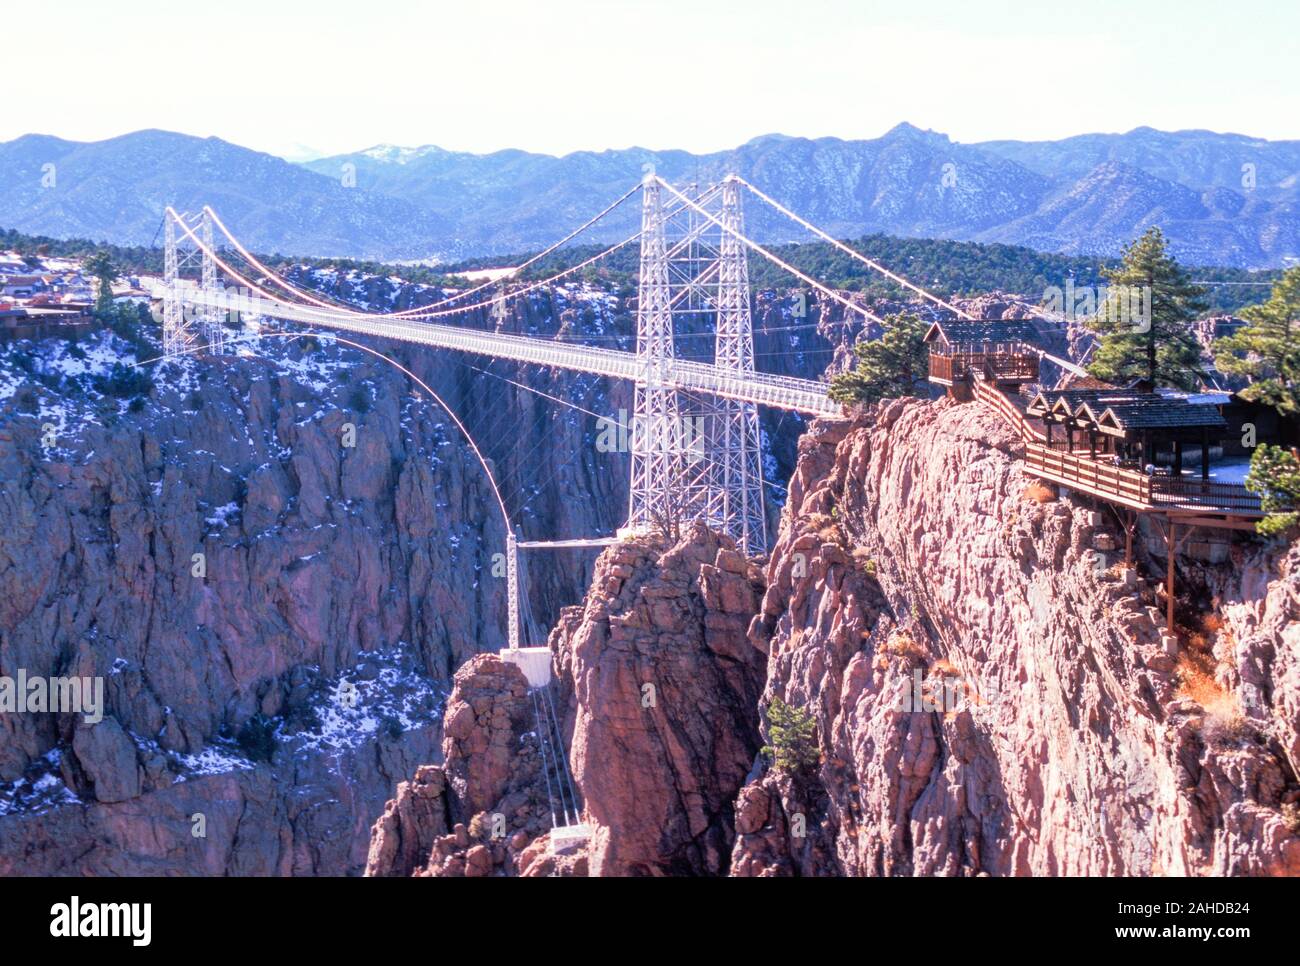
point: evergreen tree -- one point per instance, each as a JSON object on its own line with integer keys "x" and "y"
{"x": 896, "y": 364}
{"x": 1145, "y": 322}
{"x": 100, "y": 264}
{"x": 1275, "y": 476}
{"x": 792, "y": 737}
{"x": 1267, "y": 351}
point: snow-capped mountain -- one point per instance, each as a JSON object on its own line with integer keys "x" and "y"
{"x": 1222, "y": 198}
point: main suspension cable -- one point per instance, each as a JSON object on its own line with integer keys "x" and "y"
{"x": 851, "y": 253}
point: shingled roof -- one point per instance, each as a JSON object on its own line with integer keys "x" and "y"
{"x": 1049, "y": 399}
{"x": 1123, "y": 418}
{"x": 975, "y": 333}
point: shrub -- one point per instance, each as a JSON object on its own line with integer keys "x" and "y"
{"x": 1291, "y": 814}
{"x": 257, "y": 738}
{"x": 125, "y": 382}
{"x": 862, "y": 557}
{"x": 896, "y": 364}
{"x": 1275, "y": 476}
{"x": 1223, "y": 720}
{"x": 1039, "y": 492}
{"x": 902, "y": 644}
{"x": 359, "y": 400}
{"x": 479, "y": 826}
{"x": 792, "y": 738}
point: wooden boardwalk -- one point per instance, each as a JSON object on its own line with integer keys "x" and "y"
{"x": 1204, "y": 502}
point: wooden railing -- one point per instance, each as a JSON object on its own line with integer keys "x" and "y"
{"x": 1005, "y": 407}
{"x": 941, "y": 367}
{"x": 1099, "y": 476}
{"x": 1137, "y": 488}
{"x": 1009, "y": 362}
{"x": 1103, "y": 479}
{"x": 1203, "y": 493}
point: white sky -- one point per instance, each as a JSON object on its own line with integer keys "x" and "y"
{"x": 563, "y": 75}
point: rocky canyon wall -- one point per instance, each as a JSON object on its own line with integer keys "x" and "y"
{"x": 992, "y": 695}
{"x": 988, "y": 692}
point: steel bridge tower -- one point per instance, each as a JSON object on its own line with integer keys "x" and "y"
{"x": 178, "y": 332}
{"x": 655, "y": 436}
{"x": 735, "y": 451}
{"x": 689, "y": 464}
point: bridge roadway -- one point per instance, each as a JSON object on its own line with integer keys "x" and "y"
{"x": 779, "y": 392}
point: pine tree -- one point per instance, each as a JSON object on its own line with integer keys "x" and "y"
{"x": 792, "y": 737}
{"x": 99, "y": 264}
{"x": 1145, "y": 322}
{"x": 896, "y": 364}
{"x": 1267, "y": 350}
{"x": 1275, "y": 476}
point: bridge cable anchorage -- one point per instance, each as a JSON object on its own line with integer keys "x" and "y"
{"x": 565, "y": 774}
{"x": 870, "y": 263}
{"x": 542, "y": 741}
{"x": 778, "y": 261}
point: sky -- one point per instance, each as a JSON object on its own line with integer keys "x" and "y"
{"x": 326, "y": 77}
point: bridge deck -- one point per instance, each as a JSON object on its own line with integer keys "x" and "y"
{"x": 779, "y": 392}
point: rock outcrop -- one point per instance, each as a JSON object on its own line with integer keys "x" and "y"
{"x": 237, "y": 554}
{"x": 474, "y": 814}
{"x": 660, "y": 685}
{"x": 991, "y": 694}
{"x": 663, "y": 708}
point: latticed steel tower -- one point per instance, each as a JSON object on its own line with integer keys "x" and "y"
{"x": 655, "y": 435}
{"x": 214, "y": 332}
{"x": 682, "y": 470}
{"x": 180, "y": 330}
{"x": 735, "y": 452}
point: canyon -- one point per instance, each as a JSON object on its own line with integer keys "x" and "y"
{"x": 297, "y": 637}
{"x": 912, "y": 558}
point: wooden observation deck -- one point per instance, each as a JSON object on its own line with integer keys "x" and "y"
{"x": 1121, "y": 445}
{"x": 1100, "y": 440}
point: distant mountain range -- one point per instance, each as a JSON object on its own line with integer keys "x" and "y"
{"x": 1222, "y": 198}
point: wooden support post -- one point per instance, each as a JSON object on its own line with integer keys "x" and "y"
{"x": 1129, "y": 526}
{"x": 1171, "y": 551}
{"x": 1205, "y": 453}
{"x": 1178, "y": 458}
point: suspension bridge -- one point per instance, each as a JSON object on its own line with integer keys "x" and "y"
{"x": 693, "y": 259}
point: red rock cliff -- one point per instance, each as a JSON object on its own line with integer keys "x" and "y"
{"x": 1072, "y": 740}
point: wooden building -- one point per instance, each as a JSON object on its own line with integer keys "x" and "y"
{"x": 999, "y": 351}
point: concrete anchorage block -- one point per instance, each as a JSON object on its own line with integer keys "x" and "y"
{"x": 535, "y": 662}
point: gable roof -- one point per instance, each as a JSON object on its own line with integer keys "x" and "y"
{"x": 1072, "y": 380}
{"x": 980, "y": 331}
{"x": 1122, "y": 418}
{"x": 1070, "y": 401}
